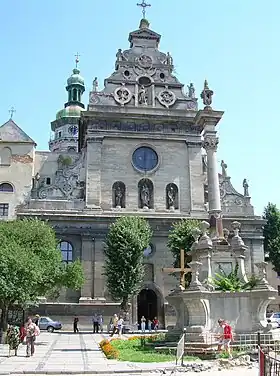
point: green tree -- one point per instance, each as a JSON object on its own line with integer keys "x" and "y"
{"x": 272, "y": 235}
{"x": 181, "y": 237}
{"x": 31, "y": 264}
{"x": 126, "y": 240}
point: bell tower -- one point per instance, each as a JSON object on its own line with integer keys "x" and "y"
{"x": 65, "y": 126}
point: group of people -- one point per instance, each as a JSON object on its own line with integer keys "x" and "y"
{"x": 97, "y": 323}
{"x": 16, "y": 335}
{"x": 149, "y": 324}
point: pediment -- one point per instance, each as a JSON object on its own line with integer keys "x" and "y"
{"x": 144, "y": 34}
{"x": 11, "y": 132}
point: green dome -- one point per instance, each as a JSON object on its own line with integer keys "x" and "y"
{"x": 70, "y": 111}
{"x": 75, "y": 78}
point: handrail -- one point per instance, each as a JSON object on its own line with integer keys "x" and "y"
{"x": 180, "y": 350}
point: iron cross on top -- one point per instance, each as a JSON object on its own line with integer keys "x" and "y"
{"x": 182, "y": 270}
{"x": 144, "y": 5}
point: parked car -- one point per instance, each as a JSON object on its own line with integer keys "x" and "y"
{"x": 46, "y": 323}
{"x": 273, "y": 317}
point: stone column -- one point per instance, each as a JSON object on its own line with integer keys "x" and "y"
{"x": 87, "y": 263}
{"x": 207, "y": 120}
{"x": 99, "y": 279}
{"x": 93, "y": 172}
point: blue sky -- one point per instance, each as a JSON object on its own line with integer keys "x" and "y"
{"x": 232, "y": 43}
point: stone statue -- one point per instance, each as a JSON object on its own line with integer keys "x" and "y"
{"x": 119, "y": 57}
{"x": 118, "y": 196}
{"x": 191, "y": 89}
{"x": 171, "y": 196}
{"x": 169, "y": 59}
{"x": 95, "y": 84}
{"x": 246, "y": 188}
{"x": 35, "y": 181}
{"x": 142, "y": 96}
{"x": 224, "y": 169}
{"x": 206, "y": 94}
{"x": 145, "y": 196}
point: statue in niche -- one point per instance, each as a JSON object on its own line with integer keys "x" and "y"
{"x": 118, "y": 196}
{"x": 224, "y": 169}
{"x": 35, "y": 181}
{"x": 145, "y": 196}
{"x": 95, "y": 84}
{"x": 142, "y": 96}
{"x": 171, "y": 196}
{"x": 191, "y": 91}
{"x": 246, "y": 188}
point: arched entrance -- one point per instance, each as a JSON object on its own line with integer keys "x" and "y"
{"x": 147, "y": 304}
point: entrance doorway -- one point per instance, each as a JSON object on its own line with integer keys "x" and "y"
{"x": 147, "y": 303}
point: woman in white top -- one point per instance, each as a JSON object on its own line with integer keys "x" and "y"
{"x": 143, "y": 324}
{"x": 120, "y": 325}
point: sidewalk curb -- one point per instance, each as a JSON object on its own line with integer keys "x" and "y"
{"x": 92, "y": 372}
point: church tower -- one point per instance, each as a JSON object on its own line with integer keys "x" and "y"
{"x": 65, "y": 126}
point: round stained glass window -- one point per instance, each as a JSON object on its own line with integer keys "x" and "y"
{"x": 145, "y": 158}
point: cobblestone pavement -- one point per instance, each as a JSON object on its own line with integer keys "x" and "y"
{"x": 68, "y": 353}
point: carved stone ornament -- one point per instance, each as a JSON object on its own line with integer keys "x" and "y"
{"x": 145, "y": 61}
{"x": 167, "y": 98}
{"x": 210, "y": 143}
{"x": 122, "y": 95}
{"x": 94, "y": 98}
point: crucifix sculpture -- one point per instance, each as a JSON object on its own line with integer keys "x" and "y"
{"x": 182, "y": 270}
{"x": 144, "y": 5}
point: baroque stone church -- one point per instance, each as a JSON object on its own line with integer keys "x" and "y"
{"x": 140, "y": 147}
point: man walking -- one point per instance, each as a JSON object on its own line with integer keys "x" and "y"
{"x": 95, "y": 323}
{"x": 32, "y": 331}
{"x": 226, "y": 337}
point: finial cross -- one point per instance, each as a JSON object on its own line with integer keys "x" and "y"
{"x": 77, "y": 59}
{"x": 12, "y": 111}
{"x": 144, "y": 5}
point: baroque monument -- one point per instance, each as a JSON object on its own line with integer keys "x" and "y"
{"x": 142, "y": 146}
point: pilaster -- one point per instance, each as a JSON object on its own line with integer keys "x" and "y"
{"x": 195, "y": 177}
{"x": 93, "y": 172}
{"x": 87, "y": 263}
{"x": 99, "y": 280}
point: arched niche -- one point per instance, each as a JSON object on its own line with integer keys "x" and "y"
{"x": 172, "y": 196}
{"x": 5, "y": 156}
{"x": 118, "y": 194}
{"x": 145, "y": 194}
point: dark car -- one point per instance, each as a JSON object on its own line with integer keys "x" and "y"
{"x": 46, "y": 323}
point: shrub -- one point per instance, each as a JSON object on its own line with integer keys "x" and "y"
{"x": 109, "y": 350}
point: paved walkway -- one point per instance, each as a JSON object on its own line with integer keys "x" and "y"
{"x": 68, "y": 353}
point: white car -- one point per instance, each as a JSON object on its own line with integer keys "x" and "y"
{"x": 273, "y": 317}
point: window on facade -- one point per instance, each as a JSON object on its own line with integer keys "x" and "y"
{"x": 66, "y": 251}
{"x": 278, "y": 290}
{"x": 48, "y": 181}
{"x": 5, "y": 156}
{"x": 6, "y": 187}
{"x": 4, "y": 210}
{"x": 59, "y": 134}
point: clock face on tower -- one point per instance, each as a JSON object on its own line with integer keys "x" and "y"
{"x": 73, "y": 130}
{"x": 145, "y": 159}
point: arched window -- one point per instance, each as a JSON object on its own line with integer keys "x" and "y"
{"x": 145, "y": 194}
{"x": 5, "y": 156}
{"x": 66, "y": 251}
{"x": 172, "y": 200}
{"x": 6, "y": 187}
{"x": 118, "y": 193}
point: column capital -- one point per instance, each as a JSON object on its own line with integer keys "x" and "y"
{"x": 210, "y": 142}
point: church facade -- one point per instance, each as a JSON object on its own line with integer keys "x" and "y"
{"x": 141, "y": 147}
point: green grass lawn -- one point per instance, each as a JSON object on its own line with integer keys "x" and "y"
{"x": 133, "y": 351}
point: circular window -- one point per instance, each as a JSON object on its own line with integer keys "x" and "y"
{"x": 162, "y": 76}
{"x": 145, "y": 158}
{"x": 148, "y": 251}
{"x": 126, "y": 73}
{"x": 144, "y": 81}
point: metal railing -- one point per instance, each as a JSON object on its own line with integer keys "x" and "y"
{"x": 180, "y": 350}
{"x": 268, "y": 365}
